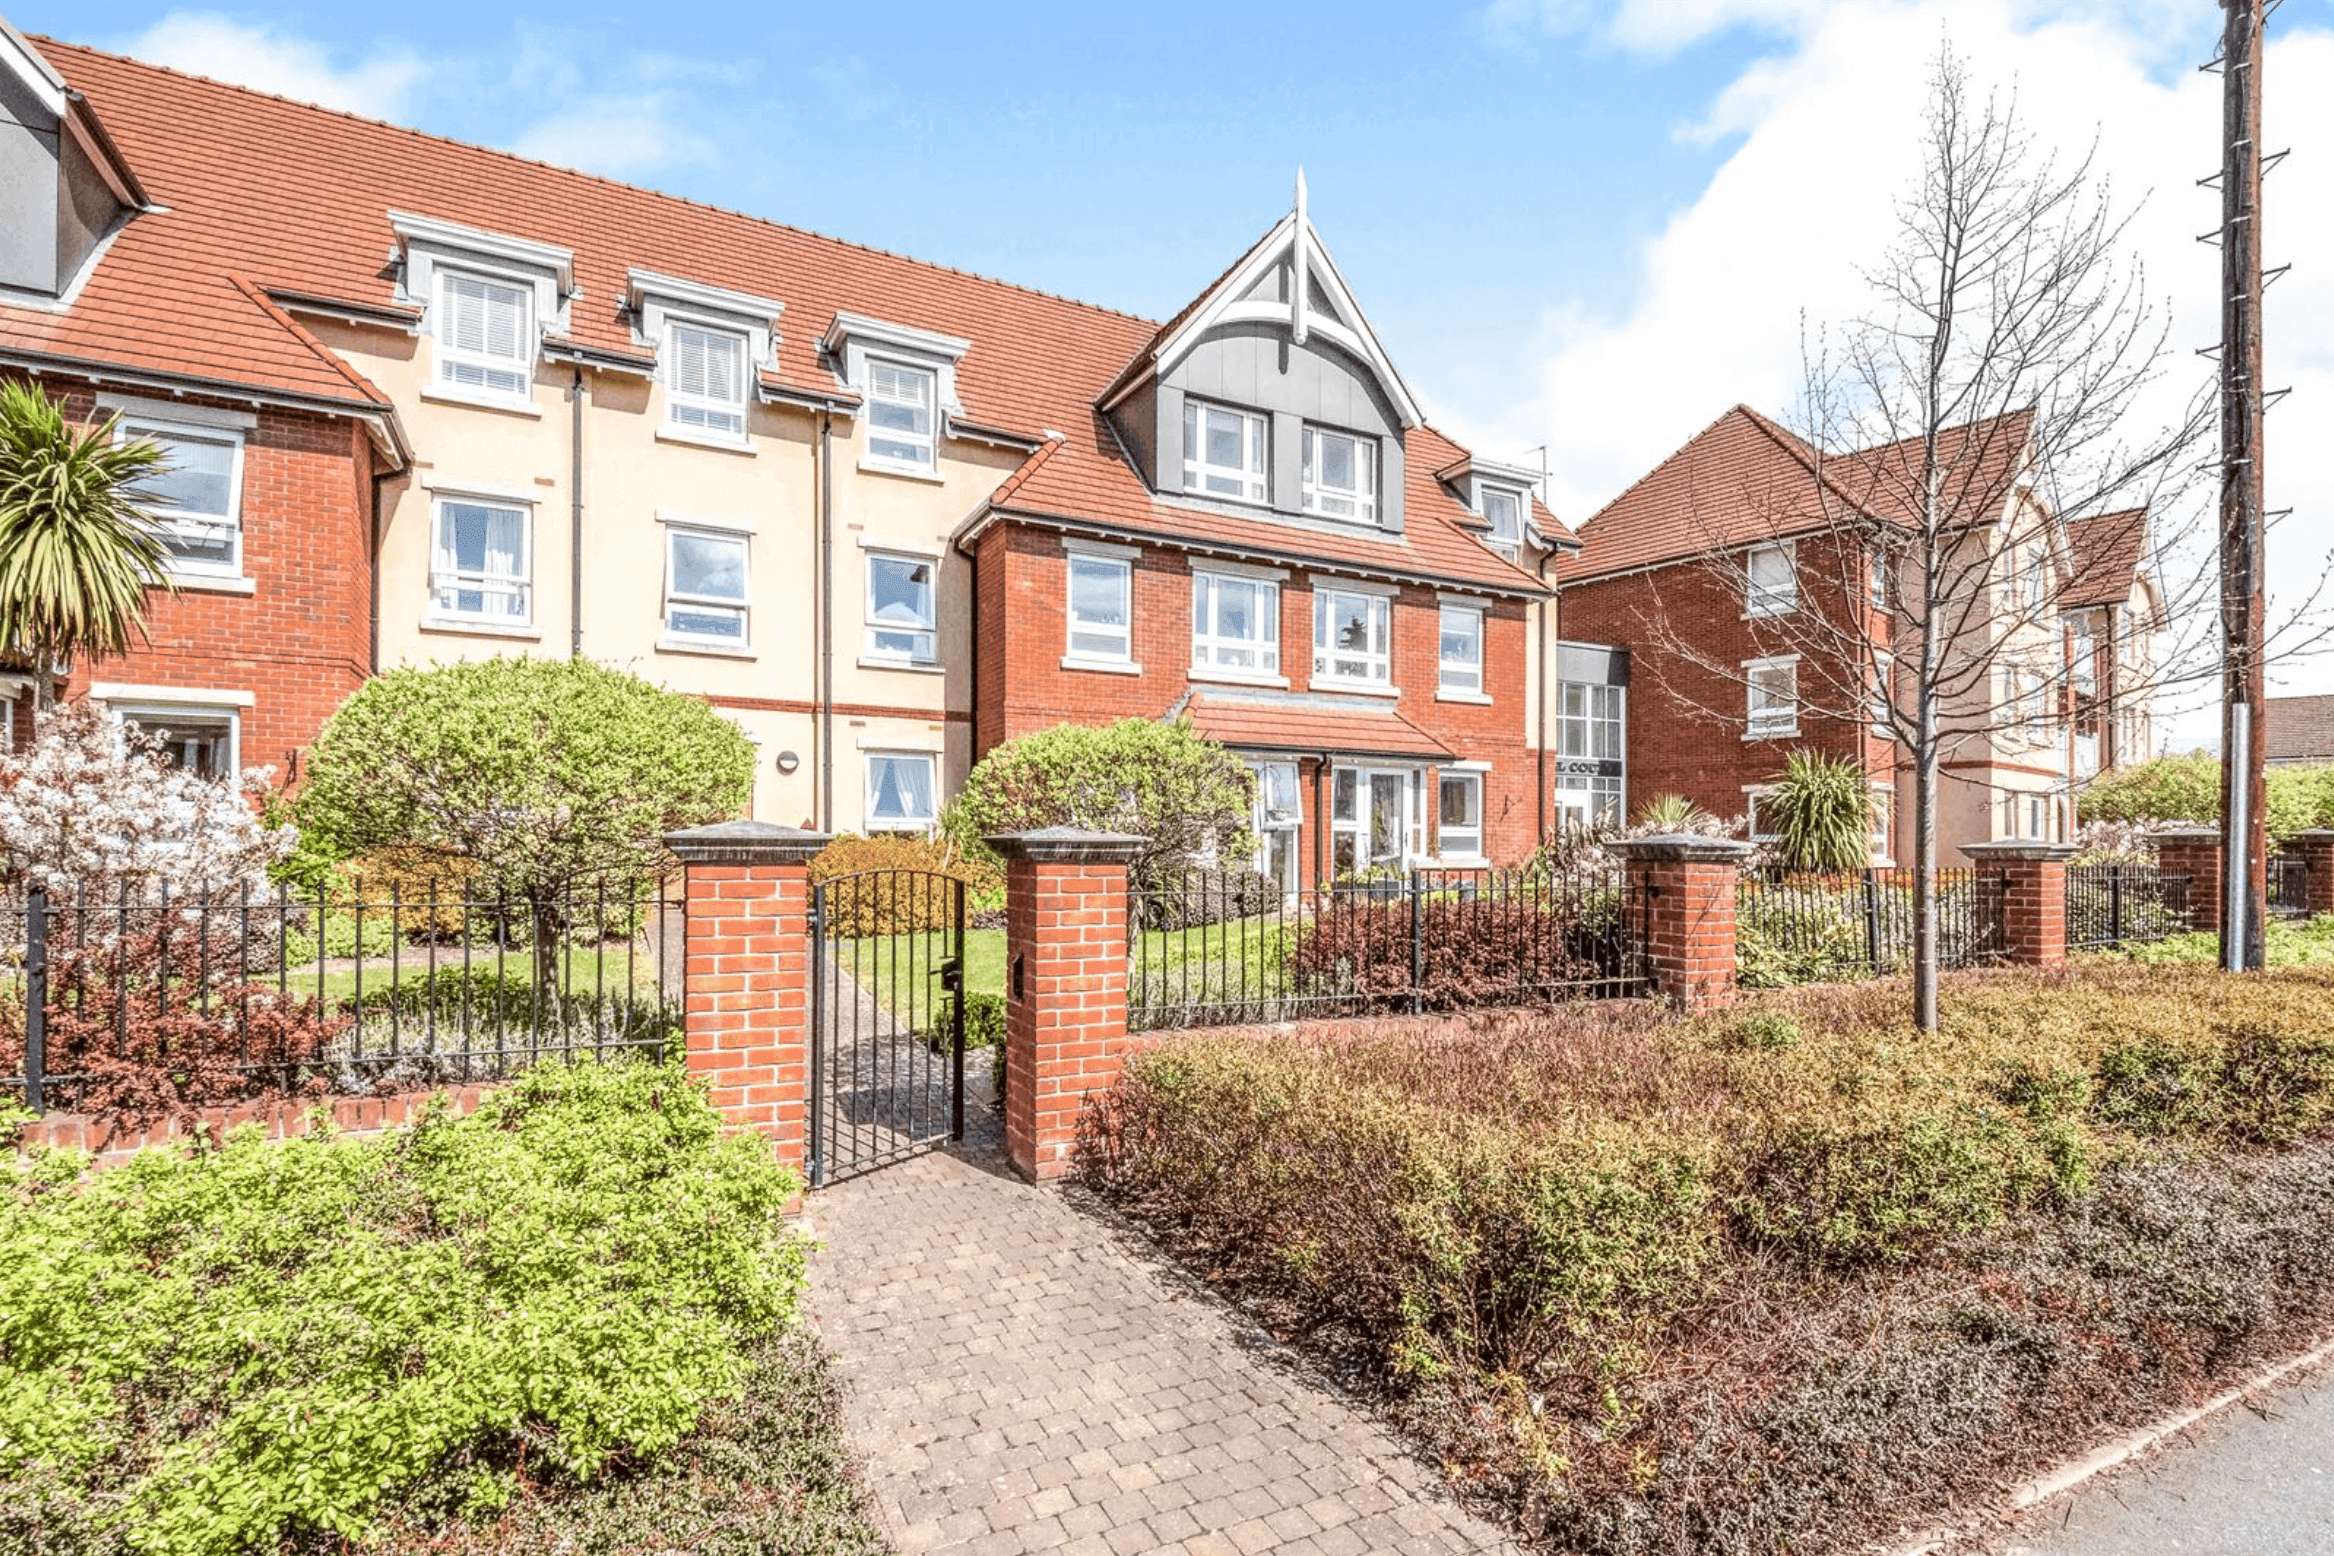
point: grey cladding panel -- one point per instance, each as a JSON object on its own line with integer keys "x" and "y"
{"x": 1592, "y": 664}
{"x": 86, "y": 210}
{"x": 1136, "y": 419}
{"x": 1253, "y": 365}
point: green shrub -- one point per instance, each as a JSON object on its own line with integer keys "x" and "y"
{"x": 267, "y": 1342}
{"x": 2188, "y": 788}
{"x": 1821, "y": 810}
{"x": 882, "y": 903}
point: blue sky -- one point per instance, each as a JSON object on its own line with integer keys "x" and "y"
{"x": 1589, "y": 224}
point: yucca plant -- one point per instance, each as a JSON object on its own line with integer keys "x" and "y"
{"x": 77, "y": 549}
{"x": 1669, "y": 813}
{"x": 1821, "y": 812}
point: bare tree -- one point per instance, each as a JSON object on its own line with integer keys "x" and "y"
{"x": 1945, "y": 442}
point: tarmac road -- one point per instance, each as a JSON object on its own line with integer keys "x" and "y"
{"x": 2257, "y": 1480}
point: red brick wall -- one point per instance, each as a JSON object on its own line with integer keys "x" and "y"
{"x": 1065, "y": 1010}
{"x": 1686, "y": 718}
{"x": 301, "y": 641}
{"x": 1023, "y": 686}
{"x": 748, "y": 998}
{"x": 113, "y": 1144}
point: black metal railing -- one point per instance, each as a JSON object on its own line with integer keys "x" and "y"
{"x": 2124, "y": 903}
{"x": 139, "y": 1000}
{"x": 2289, "y": 886}
{"x": 1820, "y": 928}
{"x": 1223, "y": 948}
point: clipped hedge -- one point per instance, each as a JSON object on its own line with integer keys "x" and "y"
{"x": 881, "y": 903}
{"x": 1492, "y": 950}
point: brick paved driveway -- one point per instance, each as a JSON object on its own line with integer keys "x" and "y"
{"x": 1021, "y": 1379}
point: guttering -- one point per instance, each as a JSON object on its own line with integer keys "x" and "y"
{"x": 809, "y": 399}
{"x": 598, "y": 358}
{"x": 995, "y": 437}
{"x": 314, "y": 305}
{"x": 39, "y": 364}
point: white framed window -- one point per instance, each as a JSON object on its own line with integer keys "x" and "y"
{"x": 1341, "y": 475}
{"x": 1279, "y": 815}
{"x": 1224, "y": 452}
{"x": 1503, "y": 509}
{"x": 1459, "y": 815}
{"x": 1596, "y": 800}
{"x": 903, "y": 621}
{"x": 1589, "y": 721}
{"x": 2083, "y": 655}
{"x": 1883, "y": 688}
{"x": 1883, "y": 822}
{"x": 1876, "y": 585}
{"x": 1101, "y": 608}
{"x": 1774, "y": 698}
{"x": 1235, "y": 624}
{"x": 2026, "y": 701}
{"x": 1461, "y": 653}
{"x": 705, "y": 586}
{"x": 2031, "y": 581}
{"x": 1756, "y": 826}
{"x": 901, "y": 786}
{"x": 482, "y": 562}
{"x": 485, "y": 335}
{"x": 1770, "y": 581}
{"x": 1375, "y": 818}
{"x": 1350, "y": 637}
{"x": 198, "y": 493}
{"x": 902, "y": 413}
{"x": 199, "y": 737}
{"x": 705, "y": 388}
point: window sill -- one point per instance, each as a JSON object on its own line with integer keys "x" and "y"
{"x": 482, "y": 629}
{"x": 484, "y": 402}
{"x": 902, "y": 826}
{"x": 1325, "y": 683}
{"x": 912, "y": 666}
{"x": 711, "y": 440}
{"x": 211, "y": 583}
{"x": 904, "y": 472}
{"x": 1474, "y": 697}
{"x": 1104, "y": 666}
{"x": 1462, "y": 862}
{"x": 1791, "y": 733}
{"x": 1785, "y": 610}
{"x": 1235, "y": 678}
{"x": 706, "y": 649}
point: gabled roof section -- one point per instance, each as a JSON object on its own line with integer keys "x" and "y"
{"x": 1319, "y": 303}
{"x": 1301, "y": 730}
{"x": 1746, "y": 478}
{"x": 2107, "y": 552}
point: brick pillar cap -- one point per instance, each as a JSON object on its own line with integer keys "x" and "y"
{"x": 745, "y": 842}
{"x": 2014, "y": 848}
{"x": 1685, "y": 846}
{"x": 2313, "y": 835}
{"x": 2186, "y": 832}
{"x": 1068, "y": 845}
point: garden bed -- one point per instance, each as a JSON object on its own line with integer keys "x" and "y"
{"x": 567, "y": 1322}
{"x": 1787, "y": 1278}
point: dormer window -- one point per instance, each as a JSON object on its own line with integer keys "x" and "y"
{"x": 1224, "y": 452}
{"x": 900, "y": 410}
{"x": 1341, "y": 475}
{"x": 706, "y": 369}
{"x": 485, "y": 335}
{"x": 1503, "y": 510}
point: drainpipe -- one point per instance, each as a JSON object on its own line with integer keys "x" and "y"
{"x": 1320, "y": 818}
{"x": 373, "y": 584}
{"x": 1547, "y": 669}
{"x": 575, "y": 400}
{"x": 826, "y": 615}
{"x": 972, "y": 616}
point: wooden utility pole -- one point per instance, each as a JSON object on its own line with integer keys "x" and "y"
{"x": 2244, "y": 896}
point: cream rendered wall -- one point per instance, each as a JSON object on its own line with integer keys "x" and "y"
{"x": 637, "y": 482}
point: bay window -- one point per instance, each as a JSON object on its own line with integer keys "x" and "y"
{"x": 1235, "y": 624}
{"x": 1341, "y": 475}
{"x": 1224, "y": 452}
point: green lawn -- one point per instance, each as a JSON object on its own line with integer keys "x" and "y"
{"x": 2287, "y": 943}
{"x": 1253, "y": 940}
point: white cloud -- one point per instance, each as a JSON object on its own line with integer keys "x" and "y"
{"x": 203, "y": 43}
{"x": 1828, "y": 132}
{"x": 621, "y": 137}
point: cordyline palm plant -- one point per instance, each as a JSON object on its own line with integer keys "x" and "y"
{"x": 1821, "y": 810}
{"x": 1670, "y": 813}
{"x": 77, "y": 549}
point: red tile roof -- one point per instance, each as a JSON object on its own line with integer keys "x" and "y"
{"x": 261, "y": 197}
{"x": 1281, "y": 726}
{"x": 2297, "y": 729}
{"x": 2107, "y": 552}
{"x": 1745, "y": 478}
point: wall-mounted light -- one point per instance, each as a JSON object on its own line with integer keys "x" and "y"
{"x": 788, "y": 761}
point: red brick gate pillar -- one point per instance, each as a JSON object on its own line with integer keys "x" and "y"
{"x": 747, "y": 976}
{"x": 1685, "y": 888}
{"x": 2034, "y": 898}
{"x": 1065, "y": 985}
{"x": 2196, "y": 853}
{"x": 2316, "y": 848}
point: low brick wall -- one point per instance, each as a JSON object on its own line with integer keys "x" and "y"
{"x": 113, "y": 1144}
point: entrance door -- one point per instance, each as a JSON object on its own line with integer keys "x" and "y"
{"x": 1372, "y": 815}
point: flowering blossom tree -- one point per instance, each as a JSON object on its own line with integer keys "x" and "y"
{"x": 94, "y": 807}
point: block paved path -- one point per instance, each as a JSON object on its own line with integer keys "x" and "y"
{"x": 1022, "y": 1378}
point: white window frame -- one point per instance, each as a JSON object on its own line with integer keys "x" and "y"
{"x": 1267, "y": 825}
{"x": 1591, "y": 800}
{"x": 869, "y": 760}
{"x": 1602, "y": 708}
{"x": 1752, "y": 793}
{"x": 720, "y": 419}
{"x": 925, "y": 458}
{"x": 1457, "y": 680}
{"x": 1122, "y": 563}
{"x": 447, "y": 358}
{"x": 134, "y": 427}
{"x": 743, "y": 604}
{"x": 1377, "y": 663}
{"x": 1883, "y": 821}
{"x": 158, "y": 705}
{"x": 1883, "y": 704}
{"x": 1210, "y": 649}
{"x": 1254, "y": 479}
{"x": 1472, "y": 774}
{"x": 1357, "y": 504}
{"x": 444, "y": 577}
{"x": 929, "y": 630}
{"x": 1760, "y": 722}
{"x": 1508, "y": 542}
{"x": 1770, "y": 599}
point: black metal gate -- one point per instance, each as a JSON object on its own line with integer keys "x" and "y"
{"x": 887, "y": 1019}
